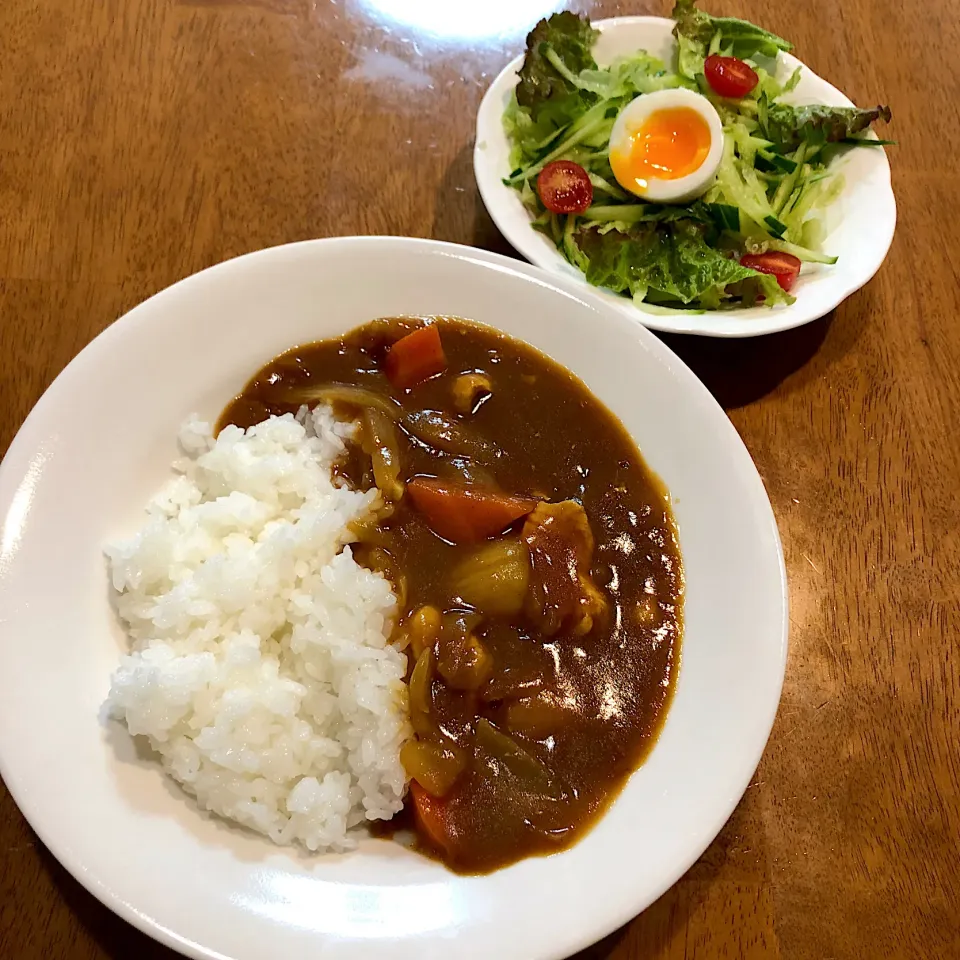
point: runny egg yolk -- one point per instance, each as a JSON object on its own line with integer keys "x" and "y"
{"x": 667, "y": 145}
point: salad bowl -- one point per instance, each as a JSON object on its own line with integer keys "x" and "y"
{"x": 858, "y": 225}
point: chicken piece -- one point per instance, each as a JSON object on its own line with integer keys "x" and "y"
{"x": 462, "y": 657}
{"x": 469, "y": 390}
{"x": 562, "y": 592}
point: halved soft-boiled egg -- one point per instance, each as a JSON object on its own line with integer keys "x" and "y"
{"x": 666, "y": 146}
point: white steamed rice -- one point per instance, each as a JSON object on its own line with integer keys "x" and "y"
{"x": 260, "y": 669}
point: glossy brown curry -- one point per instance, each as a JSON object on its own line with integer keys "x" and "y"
{"x": 541, "y": 665}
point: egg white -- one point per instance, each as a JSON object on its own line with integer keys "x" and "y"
{"x": 682, "y": 189}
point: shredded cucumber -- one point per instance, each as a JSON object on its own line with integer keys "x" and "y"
{"x": 751, "y": 198}
{"x": 790, "y": 180}
{"x": 578, "y": 132}
{"x": 625, "y": 213}
{"x": 801, "y": 253}
{"x": 573, "y": 252}
{"x": 604, "y": 186}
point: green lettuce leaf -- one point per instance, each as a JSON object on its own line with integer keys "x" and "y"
{"x": 773, "y": 89}
{"x": 524, "y": 134}
{"x": 671, "y": 263}
{"x": 790, "y": 126}
{"x": 698, "y": 32}
{"x": 556, "y": 49}
{"x": 549, "y": 97}
{"x": 629, "y": 76}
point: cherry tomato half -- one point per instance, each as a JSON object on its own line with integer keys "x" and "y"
{"x": 729, "y": 76}
{"x": 784, "y": 266}
{"x": 565, "y": 187}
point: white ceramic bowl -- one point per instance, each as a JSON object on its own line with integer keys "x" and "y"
{"x": 860, "y": 223}
{"x": 100, "y": 442}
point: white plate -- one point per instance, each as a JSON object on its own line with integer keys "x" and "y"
{"x": 861, "y": 222}
{"x": 99, "y": 443}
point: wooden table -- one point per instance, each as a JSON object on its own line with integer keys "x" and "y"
{"x": 143, "y": 140}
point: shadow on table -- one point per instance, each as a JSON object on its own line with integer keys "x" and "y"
{"x": 739, "y": 850}
{"x": 459, "y": 213}
{"x": 115, "y": 937}
{"x": 603, "y": 949}
{"x": 739, "y": 372}
{"x": 667, "y": 917}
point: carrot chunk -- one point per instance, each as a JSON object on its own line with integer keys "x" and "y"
{"x": 415, "y": 358}
{"x": 431, "y": 817}
{"x": 466, "y": 514}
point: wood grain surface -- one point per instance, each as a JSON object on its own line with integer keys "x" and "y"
{"x": 142, "y": 140}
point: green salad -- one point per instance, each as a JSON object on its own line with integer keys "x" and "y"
{"x": 741, "y": 241}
